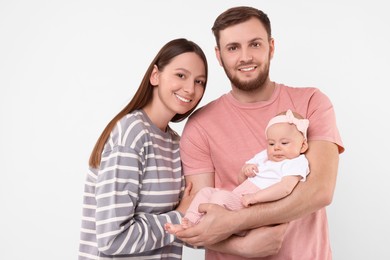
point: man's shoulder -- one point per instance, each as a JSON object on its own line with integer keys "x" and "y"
{"x": 301, "y": 95}
{"x": 298, "y": 90}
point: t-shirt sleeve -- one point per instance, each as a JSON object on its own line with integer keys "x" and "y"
{"x": 322, "y": 119}
{"x": 194, "y": 150}
{"x": 296, "y": 167}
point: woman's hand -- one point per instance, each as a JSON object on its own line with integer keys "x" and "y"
{"x": 186, "y": 200}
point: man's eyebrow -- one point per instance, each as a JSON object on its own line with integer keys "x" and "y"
{"x": 251, "y": 40}
{"x": 257, "y": 39}
{"x": 232, "y": 44}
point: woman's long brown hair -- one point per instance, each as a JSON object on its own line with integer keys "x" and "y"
{"x": 145, "y": 91}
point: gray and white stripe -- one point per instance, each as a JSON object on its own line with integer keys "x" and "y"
{"x": 133, "y": 194}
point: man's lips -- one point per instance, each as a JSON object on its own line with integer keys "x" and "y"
{"x": 248, "y": 68}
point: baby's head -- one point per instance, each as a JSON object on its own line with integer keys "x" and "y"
{"x": 286, "y": 134}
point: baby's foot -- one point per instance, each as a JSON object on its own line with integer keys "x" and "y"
{"x": 172, "y": 229}
{"x": 186, "y": 223}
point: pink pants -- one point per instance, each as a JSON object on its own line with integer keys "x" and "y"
{"x": 229, "y": 199}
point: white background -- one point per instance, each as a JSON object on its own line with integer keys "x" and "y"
{"x": 67, "y": 67}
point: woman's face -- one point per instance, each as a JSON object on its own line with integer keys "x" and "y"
{"x": 180, "y": 85}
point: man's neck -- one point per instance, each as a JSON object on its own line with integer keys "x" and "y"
{"x": 261, "y": 94}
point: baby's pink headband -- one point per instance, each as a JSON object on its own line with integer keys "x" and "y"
{"x": 302, "y": 124}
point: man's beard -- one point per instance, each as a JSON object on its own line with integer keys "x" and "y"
{"x": 255, "y": 84}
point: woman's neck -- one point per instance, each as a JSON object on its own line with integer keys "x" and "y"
{"x": 157, "y": 117}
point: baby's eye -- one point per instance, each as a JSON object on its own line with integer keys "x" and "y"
{"x": 284, "y": 143}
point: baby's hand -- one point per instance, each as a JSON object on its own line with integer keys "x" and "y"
{"x": 248, "y": 199}
{"x": 250, "y": 170}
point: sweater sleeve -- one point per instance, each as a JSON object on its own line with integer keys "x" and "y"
{"x": 121, "y": 227}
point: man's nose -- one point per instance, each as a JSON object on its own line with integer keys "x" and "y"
{"x": 246, "y": 56}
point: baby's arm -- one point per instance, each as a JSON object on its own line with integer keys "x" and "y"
{"x": 275, "y": 192}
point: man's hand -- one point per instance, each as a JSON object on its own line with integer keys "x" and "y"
{"x": 215, "y": 226}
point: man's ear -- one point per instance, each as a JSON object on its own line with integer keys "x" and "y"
{"x": 154, "y": 77}
{"x": 305, "y": 146}
{"x": 218, "y": 54}
{"x": 271, "y": 48}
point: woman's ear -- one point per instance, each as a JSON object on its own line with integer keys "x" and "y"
{"x": 154, "y": 77}
{"x": 305, "y": 146}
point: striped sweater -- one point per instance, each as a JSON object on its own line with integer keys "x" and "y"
{"x": 133, "y": 194}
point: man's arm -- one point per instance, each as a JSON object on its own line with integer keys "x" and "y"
{"x": 200, "y": 181}
{"x": 307, "y": 197}
{"x": 259, "y": 242}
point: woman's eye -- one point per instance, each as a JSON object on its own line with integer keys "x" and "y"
{"x": 180, "y": 75}
{"x": 200, "y": 82}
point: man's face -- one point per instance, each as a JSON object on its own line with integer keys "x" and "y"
{"x": 245, "y": 53}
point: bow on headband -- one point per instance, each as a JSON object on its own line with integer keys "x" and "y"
{"x": 301, "y": 124}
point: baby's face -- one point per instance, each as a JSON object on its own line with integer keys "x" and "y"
{"x": 284, "y": 142}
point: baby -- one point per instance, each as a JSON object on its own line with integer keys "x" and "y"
{"x": 270, "y": 175}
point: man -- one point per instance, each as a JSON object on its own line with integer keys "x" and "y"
{"x": 222, "y": 135}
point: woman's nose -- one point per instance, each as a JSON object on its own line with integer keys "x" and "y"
{"x": 189, "y": 87}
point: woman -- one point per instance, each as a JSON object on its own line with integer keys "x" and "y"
{"x": 135, "y": 182}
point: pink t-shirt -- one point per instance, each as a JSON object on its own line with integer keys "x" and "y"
{"x": 223, "y": 135}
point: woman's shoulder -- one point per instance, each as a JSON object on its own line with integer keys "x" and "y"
{"x": 132, "y": 121}
{"x": 136, "y": 129}
{"x": 129, "y": 128}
